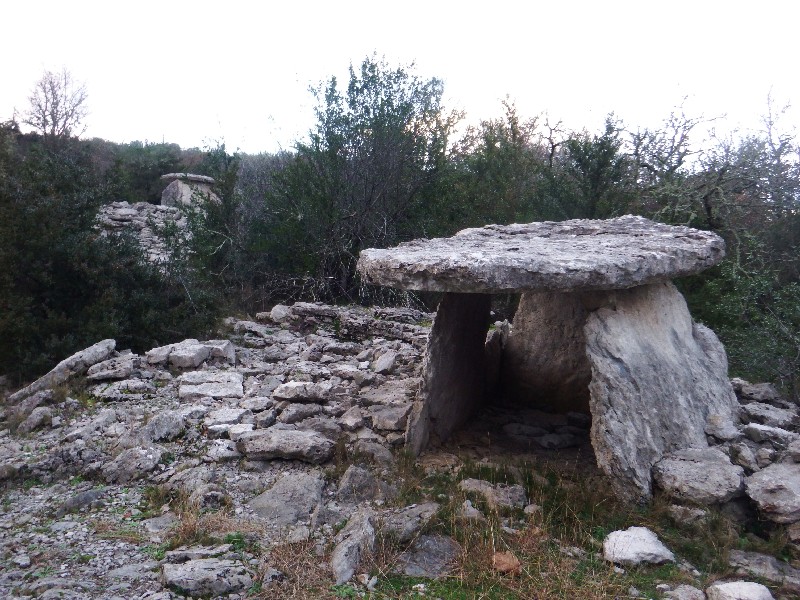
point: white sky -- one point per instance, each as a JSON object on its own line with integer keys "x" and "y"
{"x": 198, "y": 72}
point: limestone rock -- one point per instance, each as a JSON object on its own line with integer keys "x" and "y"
{"x": 297, "y": 412}
{"x": 758, "y": 412}
{"x": 77, "y": 364}
{"x": 207, "y": 577}
{"x": 187, "y": 189}
{"x": 39, "y": 417}
{"x": 566, "y": 256}
{"x": 132, "y": 464}
{"x": 738, "y": 590}
{"x": 685, "y": 592}
{"x": 144, "y": 221}
{"x": 757, "y": 392}
{"x": 656, "y": 378}
{"x": 389, "y": 418}
{"x": 774, "y": 435}
{"x": 405, "y": 523}
{"x": 309, "y": 446}
{"x": 768, "y": 568}
{"x": 467, "y": 512}
{"x": 385, "y": 363}
{"x": 281, "y": 313}
{"x": 165, "y": 425}
{"x": 360, "y": 485}
{"x": 291, "y": 500}
{"x": 700, "y": 476}
{"x": 352, "y": 543}
{"x": 302, "y": 391}
{"x": 431, "y": 556}
{"x": 113, "y": 368}
{"x": 634, "y": 546}
{"x": 776, "y": 490}
{"x": 497, "y": 496}
{"x": 352, "y": 420}
{"x": 544, "y": 361}
{"x": 216, "y": 384}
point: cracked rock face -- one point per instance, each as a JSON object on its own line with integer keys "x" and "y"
{"x": 577, "y": 255}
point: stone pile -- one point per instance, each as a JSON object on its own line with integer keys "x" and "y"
{"x": 239, "y": 422}
{"x": 753, "y": 465}
{"x": 145, "y": 222}
{"x": 257, "y": 421}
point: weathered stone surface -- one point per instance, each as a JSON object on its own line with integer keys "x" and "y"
{"x": 302, "y": 391}
{"x": 768, "y": 568}
{"x": 774, "y": 435}
{"x": 544, "y": 360}
{"x": 497, "y": 496}
{"x": 291, "y": 500}
{"x": 634, "y": 546}
{"x": 566, "y": 256}
{"x": 132, "y": 464}
{"x": 738, "y": 590}
{"x": 453, "y": 367}
{"x": 656, "y": 379}
{"x": 216, "y": 384}
{"x": 120, "y": 367}
{"x": 766, "y": 414}
{"x": 77, "y": 364}
{"x": 188, "y": 354}
{"x": 389, "y": 418}
{"x": 207, "y": 577}
{"x": 699, "y": 476}
{"x": 39, "y": 417}
{"x": 361, "y": 485}
{"x": 186, "y": 189}
{"x": 404, "y": 524}
{"x": 685, "y": 592}
{"x": 309, "y": 446}
{"x": 281, "y": 313}
{"x": 431, "y": 556}
{"x": 385, "y": 363}
{"x": 165, "y": 425}
{"x": 352, "y": 543}
{"x": 297, "y": 412}
{"x": 757, "y": 392}
{"x": 144, "y": 221}
{"x": 228, "y": 416}
{"x": 776, "y": 490}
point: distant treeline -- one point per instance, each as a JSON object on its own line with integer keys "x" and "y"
{"x": 382, "y": 165}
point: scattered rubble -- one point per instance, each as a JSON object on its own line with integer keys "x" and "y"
{"x": 224, "y": 423}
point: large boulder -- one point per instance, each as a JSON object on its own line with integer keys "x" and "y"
{"x": 291, "y": 500}
{"x": 776, "y": 490}
{"x": 576, "y": 255}
{"x": 699, "y": 476}
{"x": 657, "y": 379}
{"x": 635, "y": 546}
{"x": 276, "y": 442}
{"x": 77, "y": 364}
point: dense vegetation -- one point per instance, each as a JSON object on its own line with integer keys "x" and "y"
{"x": 383, "y": 164}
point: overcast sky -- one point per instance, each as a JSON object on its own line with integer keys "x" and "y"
{"x": 199, "y": 72}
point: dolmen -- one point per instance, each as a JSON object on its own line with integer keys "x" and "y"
{"x": 600, "y": 326}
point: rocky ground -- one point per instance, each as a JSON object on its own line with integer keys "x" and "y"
{"x": 183, "y": 472}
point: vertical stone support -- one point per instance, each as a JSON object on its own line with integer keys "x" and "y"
{"x": 454, "y": 372}
{"x": 657, "y": 380}
{"x": 544, "y": 360}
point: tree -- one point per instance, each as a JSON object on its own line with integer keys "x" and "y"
{"x": 364, "y": 177}
{"x": 57, "y": 106}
